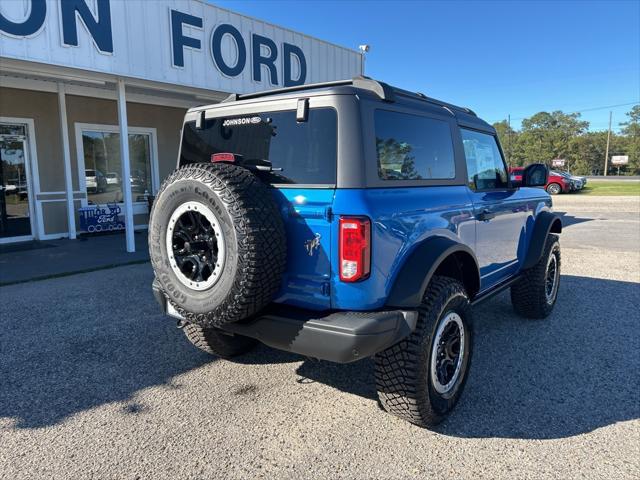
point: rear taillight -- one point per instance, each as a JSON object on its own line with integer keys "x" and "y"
{"x": 223, "y": 157}
{"x": 355, "y": 248}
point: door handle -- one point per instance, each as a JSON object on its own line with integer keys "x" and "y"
{"x": 485, "y": 215}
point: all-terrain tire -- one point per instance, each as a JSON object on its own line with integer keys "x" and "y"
{"x": 403, "y": 372}
{"x": 529, "y": 296}
{"x": 249, "y": 223}
{"x": 213, "y": 342}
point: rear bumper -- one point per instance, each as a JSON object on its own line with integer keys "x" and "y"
{"x": 340, "y": 337}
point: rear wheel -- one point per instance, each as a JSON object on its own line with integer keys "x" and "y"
{"x": 212, "y": 341}
{"x": 421, "y": 378}
{"x": 554, "y": 189}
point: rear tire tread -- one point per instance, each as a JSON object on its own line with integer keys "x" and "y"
{"x": 215, "y": 343}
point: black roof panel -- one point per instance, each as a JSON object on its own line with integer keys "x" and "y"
{"x": 364, "y": 85}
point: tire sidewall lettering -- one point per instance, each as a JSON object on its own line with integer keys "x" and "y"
{"x": 186, "y": 189}
{"x": 243, "y": 207}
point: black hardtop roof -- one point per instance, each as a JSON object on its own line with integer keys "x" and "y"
{"x": 360, "y": 85}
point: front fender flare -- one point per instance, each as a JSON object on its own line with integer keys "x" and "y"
{"x": 415, "y": 274}
{"x": 546, "y": 222}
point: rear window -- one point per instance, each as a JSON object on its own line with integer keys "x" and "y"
{"x": 411, "y": 147}
{"x": 299, "y": 152}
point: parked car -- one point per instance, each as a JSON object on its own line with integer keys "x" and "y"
{"x": 11, "y": 187}
{"x": 576, "y": 183}
{"x": 17, "y": 187}
{"x": 556, "y": 183}
{"x": 515, "y": 174}
{"x": 95, "y": 180}
{"x": 138, "y": 184}
{"x": 581, "y": 178}
{"x": 371, "y": 240}
{"x": 113, "y": 179}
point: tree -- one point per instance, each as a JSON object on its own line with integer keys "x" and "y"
{"x": 395, "y": 161}
{"x": 630, "y": 143}
{"x": 507, "y": 137}
{"x": 586, "y": 153}
{"x": 546, "y": 136}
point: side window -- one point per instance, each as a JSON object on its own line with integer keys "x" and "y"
{"x": 411, "y": 147}
{"x": 485, "y": 166}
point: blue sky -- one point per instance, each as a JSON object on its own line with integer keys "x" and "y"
{"x": 496, "y": 57}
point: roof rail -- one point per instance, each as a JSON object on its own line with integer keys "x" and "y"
{"x": 380, "y": 89}
{"x": 423, "y": 97}
{"x": 298, "y": 88}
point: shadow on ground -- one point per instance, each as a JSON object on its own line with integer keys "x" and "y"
{"x": 69, "y": 345}
{"x": 57, "y": 361}
{"x": 568, "y": 220}
{"x": 572, "y": 373}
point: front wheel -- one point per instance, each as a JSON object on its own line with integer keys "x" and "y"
{"x": 535, "y": 294}
{"x": 554, "y": 189}
{"x": 421, "y": 378}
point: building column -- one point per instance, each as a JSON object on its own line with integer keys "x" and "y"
{"x": 126, "y": 166}
{"x": 66, "y": 155}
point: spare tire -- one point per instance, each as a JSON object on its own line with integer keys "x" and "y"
{"x": 217, "y": 243}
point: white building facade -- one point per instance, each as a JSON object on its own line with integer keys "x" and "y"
{"x": 93, "y": 93}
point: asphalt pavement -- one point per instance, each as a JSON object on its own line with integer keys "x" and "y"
{"x": 96, "y": 383}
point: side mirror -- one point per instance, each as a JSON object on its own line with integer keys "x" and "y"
{"x": 535, "y": 175}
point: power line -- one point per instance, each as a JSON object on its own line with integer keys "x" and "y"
{"x": 608, "y": 106}
{"x": 593, "y": 109}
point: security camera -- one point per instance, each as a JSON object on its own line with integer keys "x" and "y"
{"x": 364, "y": 48}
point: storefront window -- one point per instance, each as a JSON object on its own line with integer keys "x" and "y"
{"x": 103, "y": 167}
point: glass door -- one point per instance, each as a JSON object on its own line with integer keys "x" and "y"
{"x": 15, "y": 219}
{"x": 101, "y": 149}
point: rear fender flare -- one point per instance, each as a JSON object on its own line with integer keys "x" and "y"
{"x": 419, "y": 267}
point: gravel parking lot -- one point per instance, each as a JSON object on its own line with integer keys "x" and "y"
{"x": 96, "y": 383}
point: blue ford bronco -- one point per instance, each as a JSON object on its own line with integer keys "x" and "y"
{"x": 347, "y": 220}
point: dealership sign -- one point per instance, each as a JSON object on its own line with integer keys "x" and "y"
{"x": 187, "y": 42}
{"x": 619, "y": 159}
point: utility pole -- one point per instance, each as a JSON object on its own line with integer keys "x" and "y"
{"x": 606, "y": 154}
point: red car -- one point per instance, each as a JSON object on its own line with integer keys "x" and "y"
{"x": 555, "y": 185}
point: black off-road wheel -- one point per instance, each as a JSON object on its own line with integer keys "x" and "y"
{"x": 421, "y": 378}
{"x": 212, "y": 341}
{"x": 217, "y": 243}
{"x": 535, "y": 294}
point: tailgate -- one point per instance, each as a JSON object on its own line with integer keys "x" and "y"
{"x": 306, "y": 214}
